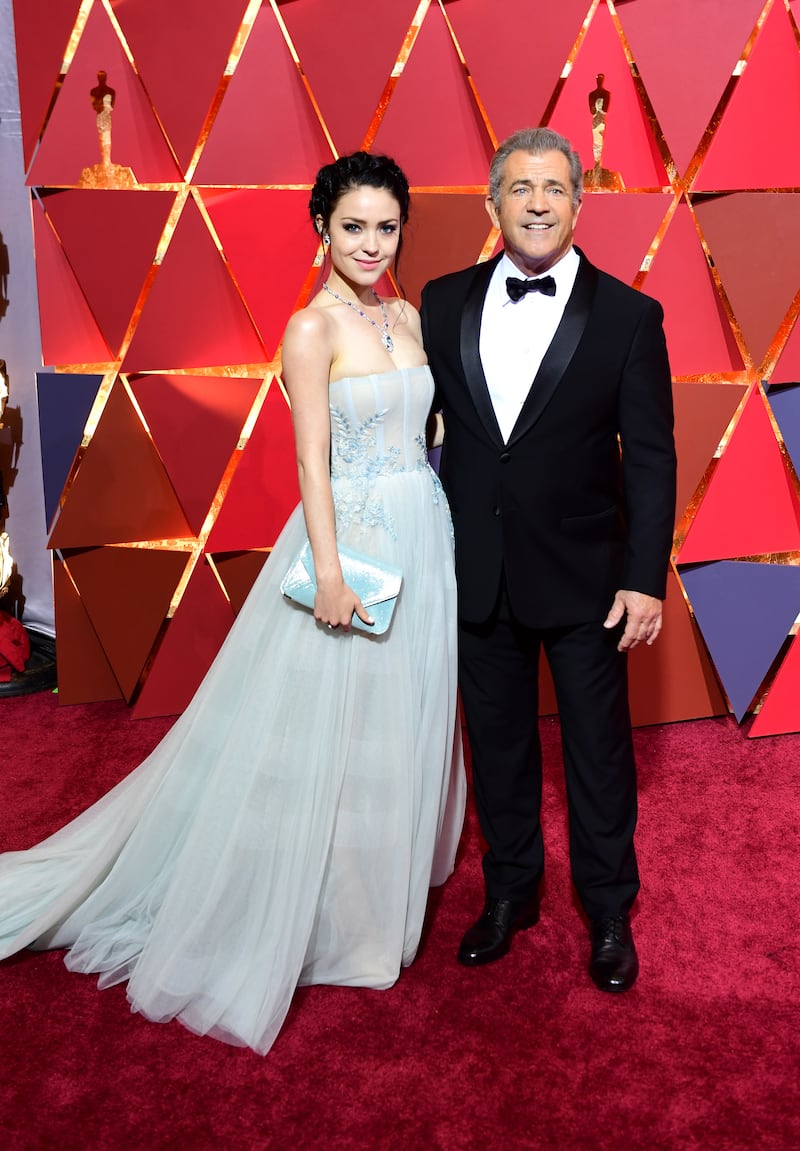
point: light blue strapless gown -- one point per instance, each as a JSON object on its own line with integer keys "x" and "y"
{"x": 287, "y": 828}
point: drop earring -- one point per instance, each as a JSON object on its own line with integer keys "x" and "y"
{"x": 326, "y": 239}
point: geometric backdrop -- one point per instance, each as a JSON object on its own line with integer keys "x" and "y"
{"x": 170, "y": 147}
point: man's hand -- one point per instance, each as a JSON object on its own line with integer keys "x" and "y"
{"x": 643, "y": 622}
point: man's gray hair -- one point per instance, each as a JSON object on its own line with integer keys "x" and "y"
{"x": 535, "y": 141}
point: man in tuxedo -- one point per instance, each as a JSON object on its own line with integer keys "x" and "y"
{"x": 559, "y": 465}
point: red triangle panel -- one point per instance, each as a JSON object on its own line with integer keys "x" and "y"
{"x": 84, "y": 673}
{"x": 765, "y": 106}
{"x": 70, "y": 142}
{"x": 126, "y": 593}
{"x": 264, "y": 487}
{"x": 702, "y": 413}
{"x": 787, "y": 369}
{"x": 183, "y": 64}
{"x": 195, "y": 422}
{"x": 443, "y": 233}
{"x": 125, "y": 228}
{"x": 69, "y": 332}
{"x": 760, "y": 287}
{"x": 348, "y": 109}
{"x": 617, "y": 231}
{"x": 266, "y": 130}
{"x": 193, "y": 316}
{"x": 780, "y": 711}
{"x": 238, "y": 572}
{"x": 629, "y": 146}
{"x": 750, "y": 507}
{"x": 699, "y": 335}
{"x": 261, "y": 230}
{"x": 431, "y": 92}
{"x": 193, "y": 637}
{"x": 121, "y": 492}
{"x": 686, "y": 51}
{"x": 42, "y": 30}
{"x": 482, "y": 28}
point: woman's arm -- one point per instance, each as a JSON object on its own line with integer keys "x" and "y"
{"x": 308, "y": 351}
{"x": 435, "y": 430}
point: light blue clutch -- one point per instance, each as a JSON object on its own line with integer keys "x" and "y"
{"x": 376, "y": 584}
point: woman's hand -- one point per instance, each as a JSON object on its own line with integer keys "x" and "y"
{"x": 335, "y": 605}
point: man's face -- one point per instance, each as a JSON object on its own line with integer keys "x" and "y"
{"x": 536, "y": 214}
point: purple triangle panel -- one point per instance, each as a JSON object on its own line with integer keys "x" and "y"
{"x": 745, "y": 611}
{"x": 785, "y": 404}
{"x": 65, "y": 401}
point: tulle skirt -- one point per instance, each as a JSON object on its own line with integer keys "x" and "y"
{"x": 287, "y": 828}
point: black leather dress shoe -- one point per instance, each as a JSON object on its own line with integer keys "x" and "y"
{"x": 614, "y": 964}
{"x": 489, "y": 938}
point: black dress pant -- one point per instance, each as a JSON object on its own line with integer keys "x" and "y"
{"x": 499, "y": 673}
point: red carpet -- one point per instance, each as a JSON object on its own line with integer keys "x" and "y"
{"x": 702, "y": 1055}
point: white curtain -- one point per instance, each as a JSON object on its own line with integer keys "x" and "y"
{"x": 20, "y": 347}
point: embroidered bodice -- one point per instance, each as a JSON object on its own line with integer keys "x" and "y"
{"x": 377, "y": 431}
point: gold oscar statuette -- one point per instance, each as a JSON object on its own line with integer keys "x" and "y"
{"x": 106, "y": 174}
{"x": 598, "y": 178}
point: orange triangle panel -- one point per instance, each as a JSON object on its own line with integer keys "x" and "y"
{"x": 699, "y": 336}
{"x": 126, "y": 593}
{"x": 444, "y": 232}
{"x": 238, "y": 572}
{"x": 195, "y": 422}
{"x": 121, "y": 492}
{"x": 69, "y": 331}
{"x": 264, "y": 487}
{"x": 433, "y": 92}
{"x": 71, "y": 142}
{"x": 617, "y": 231}
{"x": 702, "y": 413}
{"x": 182, "y": 64}
{"x": 750, "y": 507}
{"x": 483, "y": 32}
{"x": 629, "y": 146}
{"x": 765, "y": 106}
{"x": 110, "y": 239}
{"x": 266, "y": 130}
{"x": 780, "y": 711}
{"x": 193, "y": 638}
{"x": 760, "y": 287}
{"x": 348, "y": 108}
{"x": 686, "y": 53}
{"x": 42, "y": 30}
{"x": 84, "y": 672}
{"x": 259, "y": 230}
{"x": 657, "y": 694}
{"x": 193, "y": 316}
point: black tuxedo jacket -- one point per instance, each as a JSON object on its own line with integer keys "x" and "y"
{"x": 580, "y": 501}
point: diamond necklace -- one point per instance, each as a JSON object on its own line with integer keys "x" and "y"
{"x": 386, "y": 339}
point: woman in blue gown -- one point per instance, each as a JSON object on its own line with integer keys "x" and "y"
{"x": 287, "y": 828}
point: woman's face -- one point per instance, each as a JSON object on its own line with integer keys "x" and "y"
{"x": 364, "y": 229}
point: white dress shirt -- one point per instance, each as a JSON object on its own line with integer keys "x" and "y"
{"x": 515, "y": 336}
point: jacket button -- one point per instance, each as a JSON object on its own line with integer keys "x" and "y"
{"x": 505, "y": 457}
{"x": 497, "y": 511}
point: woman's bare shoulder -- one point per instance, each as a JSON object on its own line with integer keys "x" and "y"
{"x": 310, "y": 322}
{"x": 403, "y": 312}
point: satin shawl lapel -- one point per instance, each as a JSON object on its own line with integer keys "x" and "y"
{"x": 470, "y": 348}
{"x": 561, "y": 350}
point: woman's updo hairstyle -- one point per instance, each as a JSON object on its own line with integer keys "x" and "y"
{"x": 356, "y": 171}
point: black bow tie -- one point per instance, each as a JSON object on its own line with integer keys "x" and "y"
{"x": 518, "y": 288}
